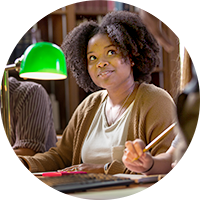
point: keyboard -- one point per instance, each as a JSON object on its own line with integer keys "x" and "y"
{"x": 82, "y": 182}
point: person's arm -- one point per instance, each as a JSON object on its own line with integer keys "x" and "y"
{"x": 162, "y": 163}
{"x": 33, "y": 121}
{"x": 25, "y": 151}
{"x": 146, "y": 163}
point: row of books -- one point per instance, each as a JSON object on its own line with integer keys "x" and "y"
{"x": 26, "y": 4}
{"x": 91, "y": 6}
{"x": 13, "y": 42}
{"x": 102, "y": 6}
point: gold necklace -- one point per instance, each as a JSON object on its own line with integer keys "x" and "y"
{"x": 119, "y": 111}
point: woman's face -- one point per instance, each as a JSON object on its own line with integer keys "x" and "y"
{"x": 105, "y": 64}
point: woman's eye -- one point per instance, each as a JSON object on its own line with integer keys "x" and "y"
{"x": 92, "y": 58}
{"x": 111, "y": 52}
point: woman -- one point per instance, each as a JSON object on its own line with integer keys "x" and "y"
{"x": 113, "y": 60}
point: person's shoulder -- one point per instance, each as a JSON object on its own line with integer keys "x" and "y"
{"x": 22, "y": 86}
{"x": 153, "y": 93}
{"x": 151, "y": 90}
{"x": 26, "y": 89}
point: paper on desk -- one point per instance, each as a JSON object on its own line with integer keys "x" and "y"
{"x": 131, "y": 176}
{"x": 138, "y": 193}
{"x": 140, "y": 178}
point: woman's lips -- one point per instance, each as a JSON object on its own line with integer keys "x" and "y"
{"x": 105, "y": 73}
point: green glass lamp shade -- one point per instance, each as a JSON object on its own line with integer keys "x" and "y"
{"x": 43, "y": 60}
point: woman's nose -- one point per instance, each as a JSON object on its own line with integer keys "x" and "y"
{"x": 102, "y": 64}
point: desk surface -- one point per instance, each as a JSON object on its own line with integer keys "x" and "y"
{"x": 135, "y": 191}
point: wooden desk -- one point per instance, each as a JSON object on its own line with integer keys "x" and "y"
{"x": 133, "y": 192}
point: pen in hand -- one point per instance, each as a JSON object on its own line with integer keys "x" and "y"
{"x": 157, "y": 139}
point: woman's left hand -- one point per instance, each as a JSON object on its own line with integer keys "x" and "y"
{"x": 89, "y": 168}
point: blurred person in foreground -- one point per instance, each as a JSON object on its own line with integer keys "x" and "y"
{"x": 187, "y": 110}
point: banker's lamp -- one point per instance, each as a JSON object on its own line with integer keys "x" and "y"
{"x": 42, "y": 60}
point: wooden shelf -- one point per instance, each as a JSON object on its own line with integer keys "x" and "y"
{"x": 57, "y": 24}
{"x": 158, "y": 70}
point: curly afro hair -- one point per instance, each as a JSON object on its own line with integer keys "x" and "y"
{"x": 127, "y": 32}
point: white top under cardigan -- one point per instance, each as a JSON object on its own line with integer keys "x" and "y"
{"x": 105, "y": 143}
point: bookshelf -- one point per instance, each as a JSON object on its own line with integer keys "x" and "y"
{"x": 54, "y": 23}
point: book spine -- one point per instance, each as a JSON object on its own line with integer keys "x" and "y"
{"x": 37, "y": 4}
{"x": 8, "y": 3}
{"x": 132, "y": 5}
{"x": 126, "y": 5}
{"x": 81, "y": 4}
{"x": 89, "y": 5}
{"x": 103, "y": 5}
{"x": 28, "y": 3}
{"x": 77, "y": 6}
{"x": 97, "y": 5}
{"x": 118, "y": 4}
{"x": 110, "y": 5}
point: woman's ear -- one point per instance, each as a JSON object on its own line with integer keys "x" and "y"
{"x": 132, "y": 63}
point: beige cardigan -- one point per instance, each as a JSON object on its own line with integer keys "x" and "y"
{"x": 153, "y": 111}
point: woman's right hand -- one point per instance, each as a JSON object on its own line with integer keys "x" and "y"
{"x": 134, "y": 150}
